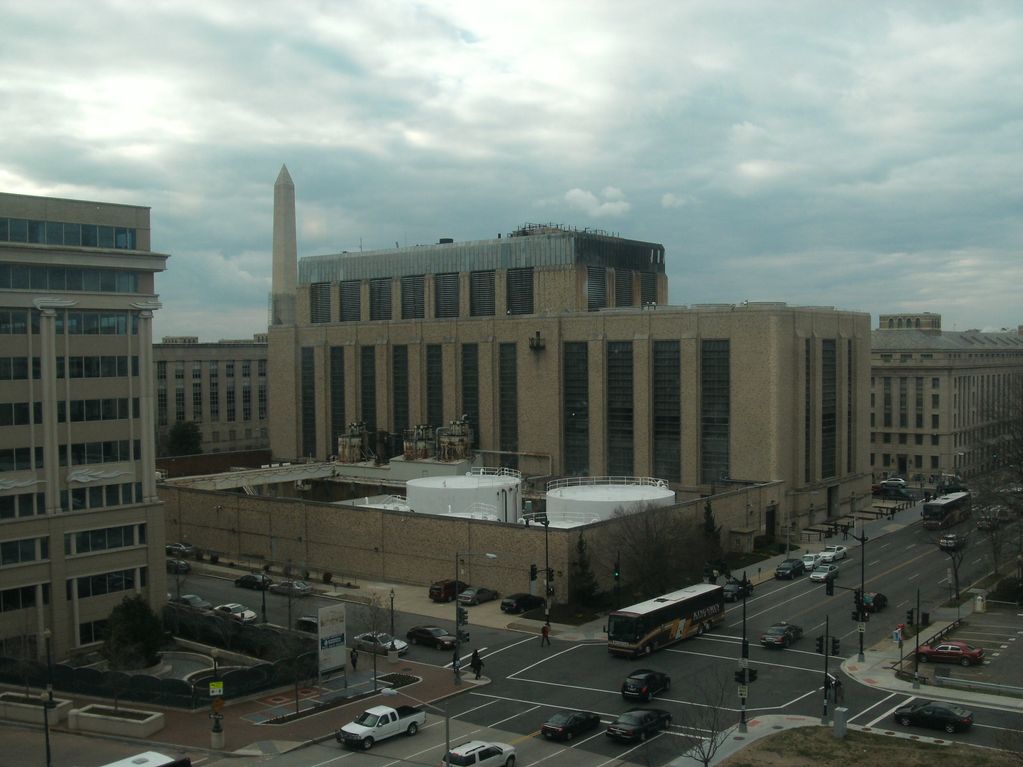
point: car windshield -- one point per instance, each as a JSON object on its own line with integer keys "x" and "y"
{"x": 775, "y": 630}
{"x": 630, "y": 717}
{"x": 437, "y": 632}
{"x": 382, "y": 638}
{"x": 559, "y": 720}
{"x": 367, "y": 719}
{"x": 622, "y": 628}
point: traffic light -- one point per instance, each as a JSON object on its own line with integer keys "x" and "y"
{"x": 857, "y": 598}
{"x": 751, "y": 675}
{"x": 461, "y": 616}
{"x": 834, "y": 645}
{"x": 829, "y": 587}
{"x": 743, "y": 676}
{"x": 820, "y": 645}
{"x": 617, "y": 570}
{"x": 739, "y": 676}
{"x": 855, "y": 615}
{"x": 909, "y": 616}
{"x": 532, "y": 572}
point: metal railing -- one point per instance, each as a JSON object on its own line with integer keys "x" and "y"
{"x": 554, "y": 484}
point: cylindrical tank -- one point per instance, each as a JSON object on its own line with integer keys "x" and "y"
{"x": 580, "y": 501}
{"x": 458, "y": 495}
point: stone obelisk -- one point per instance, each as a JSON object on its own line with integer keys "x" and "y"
{"x": 285, "y": 251}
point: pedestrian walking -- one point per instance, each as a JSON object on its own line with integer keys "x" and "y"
{"x": 545, "y": 635}
{"x": 355, "y": 659}
{"x": 845, "y": 532}
{"x": 839, "y": 692}
{"x": 476, "y": 663}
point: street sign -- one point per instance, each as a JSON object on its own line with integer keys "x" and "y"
{"x": 216, "y": 689}
{"x": 217, "y": 704}
{"x": 743, "y": 690}
{"x": 862, "y": 628}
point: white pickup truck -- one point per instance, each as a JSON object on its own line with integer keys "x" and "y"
{"x": 379, "y": 723}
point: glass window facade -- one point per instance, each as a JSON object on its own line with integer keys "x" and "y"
{"x": 399, "y": 387}
{"x": 471, "y": 388}
{"x": 435, "y": 385}
{"x": 715, "y": 410}
{"x": 576, "y": 408}
{"x": 368, "y": 378}
{"x": 337, "y": 395}
{"x": 667, "y": 410}
{"x": 308, "y": 400}
{"x": 508, "y": 403}
{"x": 620, "y": 410}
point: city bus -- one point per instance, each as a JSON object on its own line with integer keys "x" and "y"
{"x": 663, "y": 620}
{"x": 946, "y": 510}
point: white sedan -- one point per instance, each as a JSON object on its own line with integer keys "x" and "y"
{"x": 379, "y": 643}
{"x": 833, "y": 553}
{"x": 238, "y": 612}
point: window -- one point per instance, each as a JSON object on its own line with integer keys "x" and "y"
{"x": 576, "y": 434}
{"x": 623, "y": 287}
{"x": 935, "y": 440}
{"x": 471, "y": 389}
{"x": 197, "y": 402}
{"x": 337, "y": 395}
{"x": 934, "y": 462}
{"x": 934, "y": 421}
{"x": 319, "y": 302}
{"x": 620, "y": 410}
{"x": 481, "y": 294}
{"x": 22, "y": 597}
{"x": 446, "y": 298}
{"x": 368, "y": 379}
{"x": 435, "y": 385}
{"x": 508, "y": 403}
{"x": 667, "y": 410}
{"x": 351, "y": 301}
{"x": 808, "y": 432}
{"x": 413, "y": 297}
{"x": 935, "y": 401}
{"x": 399, "y": 387}
{"x": 380, "y": 299}
{"x": 25, "y": 550}
{"x": 715, "y": 410}
{"x": 519, "y": 291}
{"x": 596, "y": 288}
{"x": 308, "y": 400}
{"x": 230, "y": 403}
{"x": 829, "y": 408}
{"x": 935, "y": 383}
{"x": 91, "y": 632}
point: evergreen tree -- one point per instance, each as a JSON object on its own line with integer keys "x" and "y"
{"x": 134, "y": 635}
{"x": 584, "y": 584}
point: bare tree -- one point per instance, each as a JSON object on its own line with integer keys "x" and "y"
{"x": 708, "y": 719}
{"x": 375, "y": 618}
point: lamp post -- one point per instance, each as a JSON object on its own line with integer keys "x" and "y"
{"x": 862, "y": 538}
{"x": 390, "y": 692}
{"x": 217, "y": 731}
{"x": 456, "y": 659}
{"x": 392, "y": 619}
{"x": 547, "y": 570}
{"x": 916, "y": 636}
{"x": 48, "y": 703}
{"x": 744, "y": 671}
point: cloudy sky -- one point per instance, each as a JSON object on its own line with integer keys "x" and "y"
{"x": 862, "y": 155}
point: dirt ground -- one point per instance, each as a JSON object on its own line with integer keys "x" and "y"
{"x": 816, "y": 746}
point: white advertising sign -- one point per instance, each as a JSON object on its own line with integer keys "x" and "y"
{"x": 333, "y": 653}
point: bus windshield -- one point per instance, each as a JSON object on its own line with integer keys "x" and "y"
{"x": 622, "y": 628}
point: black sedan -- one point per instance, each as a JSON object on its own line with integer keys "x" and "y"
{"x": 781, "y": 634}
{"x": 789, "y": 569}
{"x": 638, "y": 724}
{"x": 258, "y": 581}
{"x": 520, "y": 603}
{"x": 736, "y": 590}
{"x": 564, "y": 725}
{"x": 431, "y": 636}
{"x": 928, "y": 713}
{"x": 645, "y": 683}
{"x": 192, "y": 600}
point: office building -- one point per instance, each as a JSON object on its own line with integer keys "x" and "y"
{"x": 81, "y": 525}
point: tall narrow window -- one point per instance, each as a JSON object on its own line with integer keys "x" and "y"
{"x": 435, "y": 385}
{"x": 412, "y": 297}
{"x": 471, "y": 388}
{"x": 829, "y": 408}
{"x": 337, "y": 395}
{"x": 596, "y": 288}
{"x": 849, "y": 398}
{"x": 623, "y": 287}
{"x": 351, "y": 301}
{"x": 481, "y": 294}
{"x": 368, "y": 379}
{"x": 380, "y": 299}
{"x": 319, "y": 302}
{"x": 308, "y": 386}
{"x": 667, "y": 411}
{"x": 576, "y": 408}
{"x": 620, "y": 411}
{"x": 445, "y": 295}
{"x": 715, "y": 410}
{"x": 648, "y": 287}
{"x": 509, "y": 403}
{"x": 519, "y": 291}
{"x": 399, "y": 387}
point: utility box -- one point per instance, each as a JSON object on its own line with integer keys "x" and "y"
{"x": 980, "y": 604}
{"x": 840, "y": 725}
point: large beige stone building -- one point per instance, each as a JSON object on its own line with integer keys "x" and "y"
{"x": 934, "y": 398}
{"x": 81, "y": 524}
{"x": 558, "y": 346}
{"x": 220, "y": 386}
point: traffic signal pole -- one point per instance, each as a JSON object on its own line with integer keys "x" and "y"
{"x": 827, "y": 649}
{"x": 860, "y": 608}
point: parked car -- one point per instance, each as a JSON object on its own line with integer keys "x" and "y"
{"x": 308, "y": 623}
{"x": 781, "y": 634}
{"x": 811, "y": 560}
{"x": 258, "y": 581}
{"x": 645, "y": 683}
{"x": 178, "y": 567}
{"x": 239, "y": 612}
{"x": 431, "y": 636}
{"x": 833, "y": 553}
{"x": 445, "y": 591}
{"x": 476, "y": 595}
{"x": 479, "y": 753}
{"x": 928, "y": 713}
{"x": 874, "y": 601}
{"x": 291, "y": 588}
{"x": 192, "y": 600}
{"x": 951, "y": 651}
{"x": 736, "y": 590}
{"x": 520, "y": 603}
{"x": 564, "y": 725}
{"x": 789, "y": 569}
{"x": 179, "y": 550}
{"x": 638, "y": 724}
{"x": 379, "y": 643}
{"x": 823, "y": 573}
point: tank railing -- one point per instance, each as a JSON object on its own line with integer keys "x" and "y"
{"x": 563, "y": 517}
{"x": 554, "y": 484}
{"x": 478, "y": 507}
{"x": 488, "y": 471}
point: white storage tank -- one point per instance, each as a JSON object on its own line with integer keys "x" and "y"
{"x": 482, "y": 494}
{"x": 582, "y": 500}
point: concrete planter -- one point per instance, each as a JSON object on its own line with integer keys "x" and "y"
{"x": 15, "y": 707}
{"x": 127, "y": 722}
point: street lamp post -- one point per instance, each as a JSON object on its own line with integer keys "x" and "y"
{"x": 392, "y": 619}
{"x": 456, "y": 659}
{"x": 744, "y": 670}
{"x": 48, "y": 703}
{"x": 390, "y": 692}
{"x": 860, "y": 610}
{"x": 547, "y": 570}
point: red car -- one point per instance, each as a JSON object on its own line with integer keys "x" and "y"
{"x": 951, "y": 651}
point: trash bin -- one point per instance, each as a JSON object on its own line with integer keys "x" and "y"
{"x": 980, "y": 604}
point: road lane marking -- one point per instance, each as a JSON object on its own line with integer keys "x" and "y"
{"x": 527, "y": 711}
{"x": 874, "y": 705}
